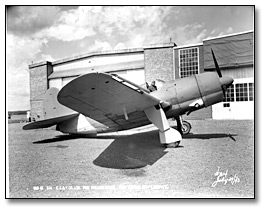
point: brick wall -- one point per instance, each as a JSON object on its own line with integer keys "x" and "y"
{"x": 38, "y": 86}
{"x": 158, "y": 64}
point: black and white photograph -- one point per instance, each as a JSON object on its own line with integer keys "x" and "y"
{"x": 130, "y": 102}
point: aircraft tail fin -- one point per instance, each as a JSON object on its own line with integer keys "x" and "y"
{"x": 54, "y": 112}
{"x": 51, "y": 107}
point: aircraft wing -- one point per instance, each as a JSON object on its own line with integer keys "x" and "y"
{"x": 108, "y": 99}
{"x": 48, "y": 122}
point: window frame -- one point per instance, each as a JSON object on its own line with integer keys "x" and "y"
{"x": 189, "y": 63}
{"x": 249, "y": 95}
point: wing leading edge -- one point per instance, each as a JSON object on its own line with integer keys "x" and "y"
{"x": 109, "y": 99}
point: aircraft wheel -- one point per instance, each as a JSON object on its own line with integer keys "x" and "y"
{"x": 186, "y": 127}
{"x": 173, "y": 145}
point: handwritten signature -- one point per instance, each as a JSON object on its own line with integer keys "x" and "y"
{"x": 222, "y": 177}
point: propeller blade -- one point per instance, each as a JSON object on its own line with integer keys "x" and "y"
{"x": 216, "y": 64}
{"x": 224, "y": 89}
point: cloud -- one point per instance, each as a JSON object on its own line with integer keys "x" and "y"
{"x": 216, "y": 32}
{"x": 26, "y": 20}
{"x": 20, "y": 52}
{"x": 130, "y": 23}
{"x": 30, "y": 29}
{"x": 136, "y": 25}
{"x": 190, "y": 33}
{"x": 119, "y": 46}
{"x": 226, "y": 31}
{"x": 99, "y": 46}
{"x": 21, "y": 49}
{"x": 196, "y": 33}
{"x": 73, "y": 25}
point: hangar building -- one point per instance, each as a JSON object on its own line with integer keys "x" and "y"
{"x": 234, "y": 53}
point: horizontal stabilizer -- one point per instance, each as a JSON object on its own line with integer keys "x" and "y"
{"x": 48, "y": 122}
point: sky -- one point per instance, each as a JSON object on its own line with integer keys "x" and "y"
{"x": 48, "y": 33}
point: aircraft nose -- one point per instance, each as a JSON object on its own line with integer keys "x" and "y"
{"x": 227, "y": 81}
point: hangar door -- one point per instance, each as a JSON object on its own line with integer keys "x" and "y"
{"x": 136, "y": 76}
{"x": 239, "y": 101}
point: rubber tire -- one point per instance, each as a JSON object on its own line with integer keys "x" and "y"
{"x": 186, "y": 127}
{"x": 173, "y": 145}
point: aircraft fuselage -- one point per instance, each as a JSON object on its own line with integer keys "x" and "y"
{"x": 181, "y": 96}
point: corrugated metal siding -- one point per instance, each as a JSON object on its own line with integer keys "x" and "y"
{"x": 101, "y": 68}
{"x": 239, "y": 73}
{"x": 231, "y": 51}
{"x": 176, "y": 63}
{"x": 201, "y": 59}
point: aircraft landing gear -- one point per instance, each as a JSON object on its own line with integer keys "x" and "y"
{"x": 186, "y": 127}
{"x": 173, "y": 145}
{"x": 183, "y": 126}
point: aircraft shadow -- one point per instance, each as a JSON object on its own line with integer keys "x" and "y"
{"x": 58, "y": 138}
{"x": 125, "y": 152}
{"x": 133, "y": 151}
{"x": 66, "y": 137}
{"x": 209, "y": 136}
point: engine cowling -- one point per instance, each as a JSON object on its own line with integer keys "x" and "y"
{"x": 210, "y": 88}
{"x": 195, "y": 92}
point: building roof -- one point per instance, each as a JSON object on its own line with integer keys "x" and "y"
{"x": 162, "y": 45}
{"x": 97, "y": 53}
{"x": 228, "y": 35}
{"x": 102, "y": 53}
{"x": 188, "y": 46}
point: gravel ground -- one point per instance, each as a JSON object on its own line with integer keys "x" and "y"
{"x": 133, "y": 164}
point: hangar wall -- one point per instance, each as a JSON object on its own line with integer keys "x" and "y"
{"x": 138, "y": 65}
{"x": 166, "y": 61}
{"x": 235, "y": 56}
{"x": 38, "y": 86}
{"x": 158, "y": 61}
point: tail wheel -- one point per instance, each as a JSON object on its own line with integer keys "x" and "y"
{"x": 186, "y": 127}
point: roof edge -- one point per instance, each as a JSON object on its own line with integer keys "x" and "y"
{"x": 228, "y": 35}
{"x": 189, "y": 46}
{"x": 39, "y": 64}
{"x": 161, "y": 45}
{"x": 97, "y": 53}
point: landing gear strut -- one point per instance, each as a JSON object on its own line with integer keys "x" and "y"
{"x": 167, "y": 135}
{"x": 183, "y": 126}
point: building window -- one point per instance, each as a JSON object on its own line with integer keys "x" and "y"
{"x": 241, "y": 92}
{"x": 188, "y": 62}
{"x": 226, "y": 105}
{"x": 229, "y": 94}
{"x": 251, "y": 89}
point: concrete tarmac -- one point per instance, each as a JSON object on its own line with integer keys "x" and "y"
{"x": 215, "y": 161}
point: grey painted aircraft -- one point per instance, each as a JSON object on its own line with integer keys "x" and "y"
{"x": 99, "y": 102}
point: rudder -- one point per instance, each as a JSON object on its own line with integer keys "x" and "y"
{"x": 51, "y": 107}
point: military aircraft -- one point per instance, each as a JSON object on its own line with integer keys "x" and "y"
{"x": 100, "y": 102}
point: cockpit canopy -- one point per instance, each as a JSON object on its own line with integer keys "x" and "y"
{"x": 154, "y": 85}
